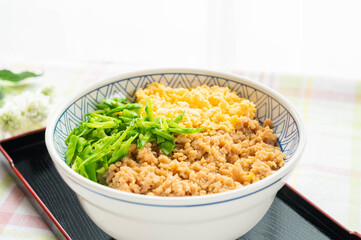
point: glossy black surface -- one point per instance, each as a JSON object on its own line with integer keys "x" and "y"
{"x": 290, "y": 216}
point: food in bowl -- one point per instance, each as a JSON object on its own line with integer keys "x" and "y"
{"x": 175, "y": 142}
{"x": 225, "y": 215}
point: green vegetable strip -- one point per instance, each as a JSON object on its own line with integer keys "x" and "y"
{"x": 143, "y": 139}
{"x": 160, "y": 139}
{"x": 81, "y": 144}
{"x": 99, "y": 116}
{"x": 185, "y": 131}
{"x": 122, "y": 137}
{"x": 149, "y": 110}
{"x": 167, "y": 147}
{"x": 91, "y": 171}
{"x": 122, "y": 151}
{"x": 71, "y": 149}
{"x": 109, "y": 124}
{"x": 151, "y": 125}
{"x": 103, "y": 169}
{"x": 127, "y": 106}
{"x": 67, "y": 140}
{"x": 179, "y": 117}
{"x": 105, "y": 137}
{"x": 129, "y": 114}
{"x": 125, "y": 119}
{"x": 163, "y": 134}
{"x": 175, "y": 128}
{"x": 98, "y": 154}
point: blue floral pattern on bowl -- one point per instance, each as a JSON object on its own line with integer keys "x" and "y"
{"x": 284, "y": 124}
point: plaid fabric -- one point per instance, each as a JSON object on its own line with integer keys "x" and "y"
{"x": 329, "y": 173}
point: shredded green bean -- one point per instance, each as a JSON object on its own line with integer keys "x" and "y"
{"x": 105, "y": 137}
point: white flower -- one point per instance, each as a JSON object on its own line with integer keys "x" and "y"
{"x": 35, "y": 106}
{"x": 10, "y": 119}
{"x": 24, "y": 112}
{"x": 49, "y": 90}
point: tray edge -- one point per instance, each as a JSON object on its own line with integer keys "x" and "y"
{"x": 38, "y": 204}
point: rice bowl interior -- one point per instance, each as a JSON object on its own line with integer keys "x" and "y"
{"x": 217, "y": 212}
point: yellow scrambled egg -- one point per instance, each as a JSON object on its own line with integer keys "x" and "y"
{"x": 215, "y": 108}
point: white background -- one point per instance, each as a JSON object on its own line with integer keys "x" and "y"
{"x": 309, "y": 37}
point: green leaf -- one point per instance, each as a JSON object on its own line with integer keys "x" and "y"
{"x": 16, "y": 77}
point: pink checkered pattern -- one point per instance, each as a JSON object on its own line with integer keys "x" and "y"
{"x": 329, "y": 173}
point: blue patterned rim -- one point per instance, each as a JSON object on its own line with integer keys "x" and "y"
{"x": 269, "y": 105}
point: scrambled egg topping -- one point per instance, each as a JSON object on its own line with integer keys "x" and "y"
{"x": 215, "y": 108}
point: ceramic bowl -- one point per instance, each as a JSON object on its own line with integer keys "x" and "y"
{"x": 226, "y": 215}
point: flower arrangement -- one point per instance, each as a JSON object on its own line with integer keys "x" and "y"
{"x": 25, "y": 111}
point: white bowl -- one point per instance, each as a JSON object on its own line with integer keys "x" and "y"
{"x": 226, "y": 215}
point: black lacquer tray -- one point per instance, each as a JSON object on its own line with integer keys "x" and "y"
{"x": 291, "y": 215}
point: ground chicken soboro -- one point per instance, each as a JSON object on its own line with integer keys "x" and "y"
{"x": 232, "y": 151}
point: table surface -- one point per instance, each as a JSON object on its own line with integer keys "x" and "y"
{"x": 329, "y": 173}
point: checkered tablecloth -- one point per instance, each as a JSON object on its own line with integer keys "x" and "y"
{"x": 329, "y": 173}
